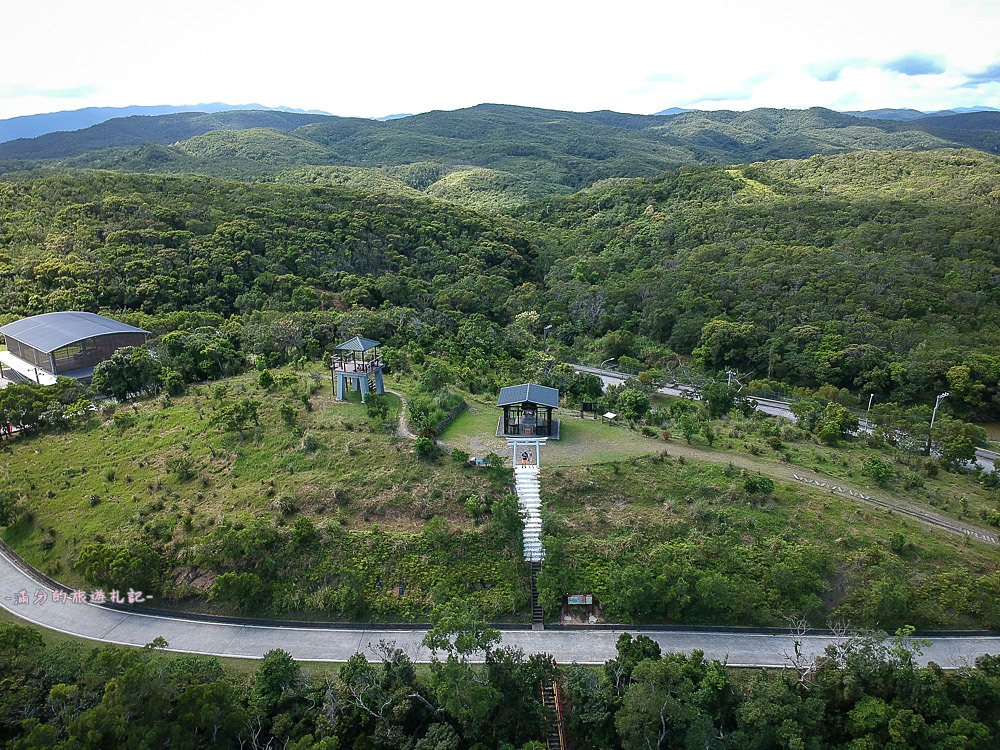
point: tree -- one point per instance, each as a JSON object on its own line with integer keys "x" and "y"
{"x": 461, "y": 685}
{"x": 377, "y": 407}
{"x": 631, "y": 653}
{"x": 245, "y": 591}
{"x": 131, "y": 370}
{"x": 758, "y": 484}
{"x": 632, "y": 403}
{"x": 388, "y": 694}
{"x": 955, "y": 440}
{"x": 677, "y": 701}
{"x": 688, "y": 426}
{"x": 135, "y": 565}
{"x": 238, "y": 415}
{"x": 425, "y": 447}
{"x": 278, "y": 698}
{"x": 586, "y": 386}
{"x": 725, "y": 343}
{"x": 719, "y": 397}
{"x": 829, "y": 422}
{"x": 434, "y": 377}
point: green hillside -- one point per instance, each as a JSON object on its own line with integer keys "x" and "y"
{"x": 870, "y": 272}
{"x": 834, "y": 278}
{"x": 142, "y": 130}
{"x": 531, "y": 152}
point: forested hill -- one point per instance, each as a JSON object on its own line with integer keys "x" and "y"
{"x": 493, "y": 155}
{"x": 140, "y": 130}
{"x": 871, "y": 272}
{"x": 118, "y": 242}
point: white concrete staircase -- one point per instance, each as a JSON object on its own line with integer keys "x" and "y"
{"x": 528, "y": 488}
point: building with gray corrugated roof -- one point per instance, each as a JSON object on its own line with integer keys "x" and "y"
{"x": 63, "y": 344}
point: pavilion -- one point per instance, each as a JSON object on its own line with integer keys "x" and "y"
{"x": 527, "y": 411}
{"x": 357, "y": 363}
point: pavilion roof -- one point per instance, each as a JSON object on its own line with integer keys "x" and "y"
{"x": 358, "y": 344}
{"x": 536, "y": 394}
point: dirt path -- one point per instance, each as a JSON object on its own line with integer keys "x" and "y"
{"x": 403, "y": 429}
{"x": 792, "y": 473}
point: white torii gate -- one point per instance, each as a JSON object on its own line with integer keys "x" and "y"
{"x": 522, "y": 445}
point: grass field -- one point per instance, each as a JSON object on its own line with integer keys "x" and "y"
{"x": 164, "y": 472}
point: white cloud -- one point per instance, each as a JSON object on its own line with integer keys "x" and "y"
{"x": 374, "y": 58}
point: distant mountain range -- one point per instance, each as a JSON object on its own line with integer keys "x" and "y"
{"x": 483, "y": 154}
{"x": 913, "y": 114}
{"x": 32, "y": 126}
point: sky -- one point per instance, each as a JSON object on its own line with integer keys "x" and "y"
{"x": 371, "y": 59}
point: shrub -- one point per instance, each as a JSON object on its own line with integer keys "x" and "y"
{"x": 878, "y": 469}
{"x": 426, "y": 448}
{"x": 758, "y": 484}
{"x": 288, "y": 415}
{"x": 181, "y": 467}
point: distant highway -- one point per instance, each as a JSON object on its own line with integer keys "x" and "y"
{"x": 985, "y": 458}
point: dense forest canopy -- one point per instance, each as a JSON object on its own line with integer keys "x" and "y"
{"x": 870, "y": 271}
{"x": 868, "y": 692}
{"x": 873, "y": 272}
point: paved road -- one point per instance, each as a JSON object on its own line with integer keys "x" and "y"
{"x": 338, "y": 644}
{"x": 986, "y": 458}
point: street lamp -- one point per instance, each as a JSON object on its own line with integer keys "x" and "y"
{"x": 609, "y": 359}
{"x": 937, "y": 402}
{"x": 545, "y": 334}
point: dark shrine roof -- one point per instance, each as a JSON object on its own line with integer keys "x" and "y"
{"x": 51, "y": 331}
{"x": 536, "y": 394}
{"x": 358, "y": 344}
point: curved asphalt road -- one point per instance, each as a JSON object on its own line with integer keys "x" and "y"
{"x": 584, "y": 646}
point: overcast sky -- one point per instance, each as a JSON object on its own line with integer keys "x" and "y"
{"x": 371, "y": 59}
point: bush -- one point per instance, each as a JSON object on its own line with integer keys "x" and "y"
{"x": 425, "y": 448}
{"x": 758, "y": 484}
{"x": 879, "y": 470}
{"x": 288, "y": 415}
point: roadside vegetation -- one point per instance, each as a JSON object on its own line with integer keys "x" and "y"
{"x": 867, "y": 692}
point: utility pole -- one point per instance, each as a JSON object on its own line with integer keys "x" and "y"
{"x": 937, "y": 402}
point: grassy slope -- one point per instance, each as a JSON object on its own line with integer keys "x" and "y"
{"x": 611, "y": 492}
{"x": 108, "y": 483}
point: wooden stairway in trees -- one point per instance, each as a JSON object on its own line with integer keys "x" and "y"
{"x": 537, "y": 614}
{"x": 555, "y": 731}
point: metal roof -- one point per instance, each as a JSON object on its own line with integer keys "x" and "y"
{"x": 51, "y": 331}
{"x": 358, "y": 344}
{"x": 536, "y": 394}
